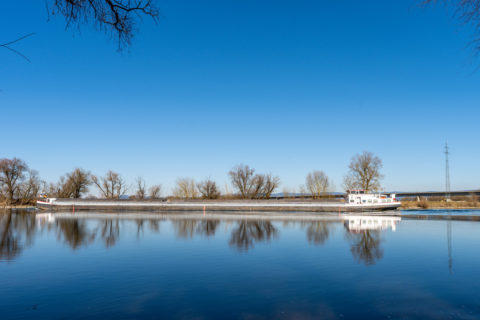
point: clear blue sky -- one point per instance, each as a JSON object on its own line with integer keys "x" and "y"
{"x": 284, "y": 86}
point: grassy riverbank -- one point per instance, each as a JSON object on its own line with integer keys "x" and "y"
{"x": 440, "y": 204}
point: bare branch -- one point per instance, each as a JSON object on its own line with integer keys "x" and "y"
{"x": 115, "y": 17}
{"x": 467, "y": 11}
{"x": 8, "y": 44}
{"x": 112, "y": 185}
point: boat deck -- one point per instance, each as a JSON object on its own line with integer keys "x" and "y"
{"x": 246, "y": 205}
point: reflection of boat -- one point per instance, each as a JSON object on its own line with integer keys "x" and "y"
{"x": 362, "y": 223}
{"x": 356, "y": 201}
{"x": 44, "y": 218}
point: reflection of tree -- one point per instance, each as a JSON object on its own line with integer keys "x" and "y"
{"x": 75, "y": 232}
{"x": 16, "y": 232}
{"x": 139, "y": 223}
{"x": 207, "y": 227}
{"x": 110, "y": 231}
{"x": 189, "y": 228}
{"x": 248, "y": 232}
{"x": 154, "y": 225}
{"x": 185, "y": 228}
{"x": 317, "y": 232}
{"x": 366, "y": 246}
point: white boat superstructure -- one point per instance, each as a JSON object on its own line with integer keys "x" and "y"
{"x": 360, "y": 197}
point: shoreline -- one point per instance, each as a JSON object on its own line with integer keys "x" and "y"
{"x": 408, "y": 207}
{"x": 248, "y": 215}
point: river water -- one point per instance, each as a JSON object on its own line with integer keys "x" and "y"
{"x": 246, "y": 267}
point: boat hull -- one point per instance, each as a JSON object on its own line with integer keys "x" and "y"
{"x": 162, "y": 206}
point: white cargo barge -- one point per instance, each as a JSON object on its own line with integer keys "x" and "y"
{"x": 356, "y": 201}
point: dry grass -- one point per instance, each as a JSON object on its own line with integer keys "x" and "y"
{"x": 423, "y": 203}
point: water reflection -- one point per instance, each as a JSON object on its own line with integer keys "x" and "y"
{"x": 74, "y": 232}
{"x": 315, "y": 268}
{"x": 246, "y": 233}
{"x": 365, "y": 246}
{"x": 110, "y": 232}
{"x": 318, "y": 231}
{"x": 16, "y": 233}
{"x": 364, "y": 233}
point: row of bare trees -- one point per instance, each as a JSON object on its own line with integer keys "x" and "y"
{"x": 142, "y": 192}
{"x": 247, "y": 184}
{"x": 111, "y": 186}
{"x": 19, "y": 184}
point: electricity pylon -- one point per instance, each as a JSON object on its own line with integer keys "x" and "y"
{"x": 447, "y": 174}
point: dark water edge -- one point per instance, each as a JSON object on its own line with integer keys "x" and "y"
{"x": 369, "y": 267}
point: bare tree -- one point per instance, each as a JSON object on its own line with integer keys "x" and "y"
{"x": 56, "y": 190}
{"x": 78, "y": 181}
{"x": 73, "y": 185}
{"x": 185, "y": 188}
{"x": 141, "y": 188}
{"x": 12, "y": 175}
{"x": 468, "y": 11}
{"x": 155, "y": 191}
{"x": 117, "y": 18}
{"x": 208, "y": 189}
{"x": 317, "y": 183}
{"x": 364, "y": 172}
{"x": 112, "y": 185}
{"x": 30, "y": 188}
{"x": 271, "y": 183}
{"x": 253, "y": 186}
{"x": 242, "y": 179}
{"x": 263, "y": 186}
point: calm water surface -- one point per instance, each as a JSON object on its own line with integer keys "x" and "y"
{"x": 238, "y": 268}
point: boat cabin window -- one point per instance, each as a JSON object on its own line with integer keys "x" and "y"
{"x": 356, "y": 191}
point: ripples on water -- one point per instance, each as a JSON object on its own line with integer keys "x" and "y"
{"x": 245, "y": 268}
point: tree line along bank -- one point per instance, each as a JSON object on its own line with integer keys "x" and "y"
{"x": 21, "y": 185}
